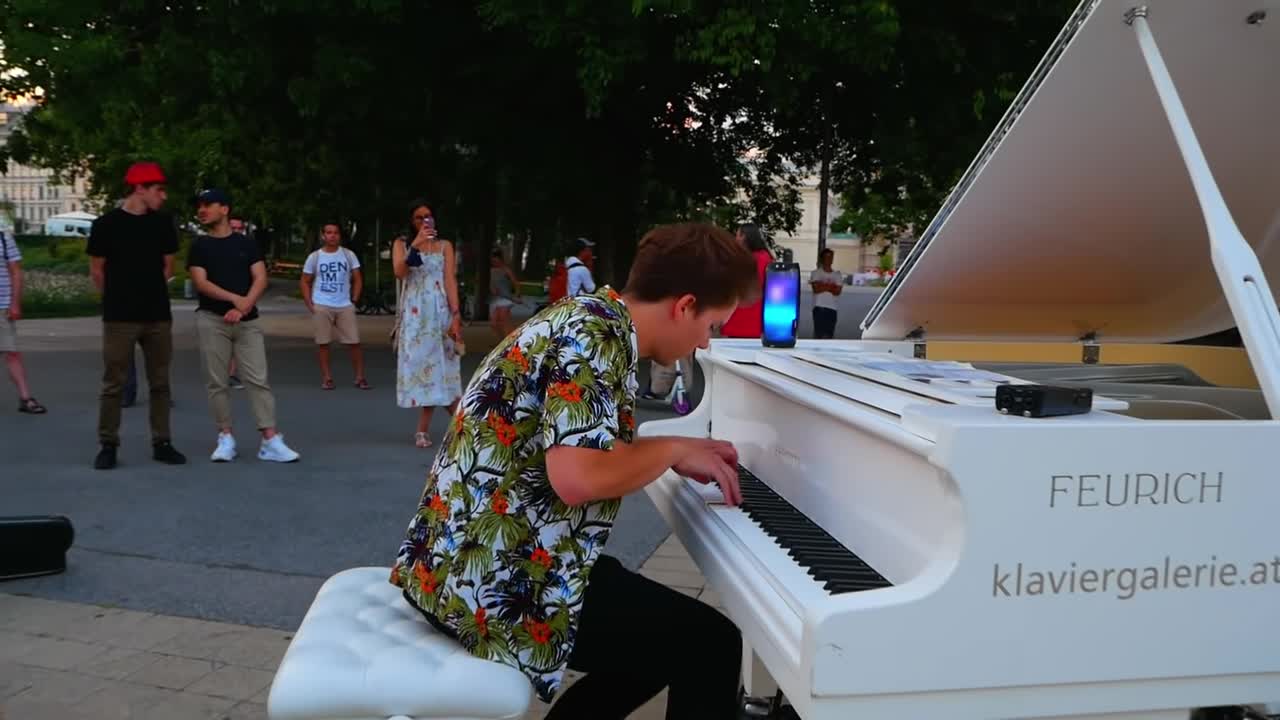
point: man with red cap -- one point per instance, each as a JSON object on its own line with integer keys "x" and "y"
{"x": 131, "y": 253}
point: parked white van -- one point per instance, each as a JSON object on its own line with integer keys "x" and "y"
{"x": 72, "y": 224}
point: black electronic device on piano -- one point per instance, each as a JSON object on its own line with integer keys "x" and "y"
{"x": 1037, "y": 401}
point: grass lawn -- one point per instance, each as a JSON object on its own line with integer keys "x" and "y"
{"x": 57, "y": 276}
{"x": 57, "y": 255}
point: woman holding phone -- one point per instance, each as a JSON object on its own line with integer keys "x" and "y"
{"x": 429, "y": 325}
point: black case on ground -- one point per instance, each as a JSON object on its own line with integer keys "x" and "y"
{"x": 32, "y": 545}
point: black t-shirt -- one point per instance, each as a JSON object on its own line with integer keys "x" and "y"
{"x": 135, "y": 288}
{"x": 227, "y": 261}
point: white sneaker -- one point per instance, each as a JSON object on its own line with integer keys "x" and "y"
{"x": 275, "y": 450}
{"x": 226, "y": 450}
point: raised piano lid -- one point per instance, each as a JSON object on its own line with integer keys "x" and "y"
{"x": 1078, "y": 216}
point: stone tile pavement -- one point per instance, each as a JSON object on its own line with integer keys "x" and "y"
{"x": 71, "y": 661}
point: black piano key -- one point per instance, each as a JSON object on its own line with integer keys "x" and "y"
{"x": 823, "y": 557}
{"x": 826, "y": 574}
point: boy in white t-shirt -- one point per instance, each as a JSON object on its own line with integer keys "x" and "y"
{"x": 331, "y": 284}
{"x": 826, "y": 284}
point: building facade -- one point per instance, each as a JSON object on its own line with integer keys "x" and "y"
{"x": 852, "y": 255}
{"x": 31, "y": 194}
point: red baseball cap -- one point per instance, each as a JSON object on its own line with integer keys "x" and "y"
{"x": 143, "y": 173}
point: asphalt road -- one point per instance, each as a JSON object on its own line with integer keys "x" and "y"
{"x": 854, "y": 304}
{"x": 247, "y": 542}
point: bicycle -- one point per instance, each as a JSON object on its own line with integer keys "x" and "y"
{"x": 677, "y": 397}
{"x": 377, "y": 302}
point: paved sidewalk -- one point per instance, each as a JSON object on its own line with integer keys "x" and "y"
{"x": 71, "y": 661}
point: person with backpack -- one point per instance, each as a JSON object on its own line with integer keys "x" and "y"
{"x": 331, "y": 285}
{"x": 578, "y": 269}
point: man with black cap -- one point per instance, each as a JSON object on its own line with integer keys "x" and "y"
{"x": 131, "y": 253}
{"x": 230, "y": 276}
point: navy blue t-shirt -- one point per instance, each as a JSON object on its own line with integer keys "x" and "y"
{"x": 227, "y": 261}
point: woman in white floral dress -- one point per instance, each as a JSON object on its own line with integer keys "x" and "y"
{"x": 428, "y": 361}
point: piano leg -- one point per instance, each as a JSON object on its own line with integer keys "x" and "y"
{"x": 760, "y": 691}
{"x": 755, "y": 676}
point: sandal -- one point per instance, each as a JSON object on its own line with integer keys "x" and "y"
{"x": 31, "y": 405}
{"x": 421, "y": 440}
{"x": 327, "y": 385}
{"x": 362, "y": 384}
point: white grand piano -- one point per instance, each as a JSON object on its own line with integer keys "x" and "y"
{"x": 905, "y": 550}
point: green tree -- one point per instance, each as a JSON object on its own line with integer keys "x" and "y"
{"x": 543, "y": 121}
{"x": 956, "y": 67}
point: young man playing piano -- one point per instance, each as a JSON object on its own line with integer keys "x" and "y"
{"x": 504, "y": 550}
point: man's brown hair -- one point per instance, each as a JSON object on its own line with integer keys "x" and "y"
{"x": 697, "y": 259}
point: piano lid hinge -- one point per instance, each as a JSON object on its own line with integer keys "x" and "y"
{"x": 1134, "y": 13}
{"x": 919, "y": 349}
{"x": 1090, "y": 351}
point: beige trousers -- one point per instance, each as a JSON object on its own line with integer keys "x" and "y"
{"x": 662, "y": 377}
{"x": 219, "y": 340}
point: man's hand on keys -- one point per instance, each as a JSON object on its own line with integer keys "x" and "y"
{"x": 713, "y": 461}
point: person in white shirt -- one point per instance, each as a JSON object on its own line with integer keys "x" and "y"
{"x": 331, "y": 283}
{"x": 578, "y": 268}
{"x": 826, "y": 284}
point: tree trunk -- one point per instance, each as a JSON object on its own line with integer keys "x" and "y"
{"x": 824, "y": 187}
{"x": 517, "y": 252}
{"x": 486, "y": 240}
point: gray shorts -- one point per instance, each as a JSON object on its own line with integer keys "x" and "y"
{"x": 8, "y": 336}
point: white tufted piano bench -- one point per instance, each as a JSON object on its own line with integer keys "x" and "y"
{"x": 363, "y": 653}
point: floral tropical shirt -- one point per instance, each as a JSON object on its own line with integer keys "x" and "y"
{"x": 492, "y": 553}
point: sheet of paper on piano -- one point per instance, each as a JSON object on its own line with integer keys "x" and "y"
{"x": 846, "y": 372}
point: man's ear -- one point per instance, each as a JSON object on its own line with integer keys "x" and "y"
{"x": 684, "y": 303}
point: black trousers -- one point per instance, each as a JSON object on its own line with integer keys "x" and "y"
{"x": 824, "y": 323}
{"x": 636, "y": 637}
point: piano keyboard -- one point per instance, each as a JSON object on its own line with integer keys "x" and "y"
{"x": 825, "y": 559}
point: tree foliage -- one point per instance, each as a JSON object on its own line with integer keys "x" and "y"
{"x": 543, "y": 120}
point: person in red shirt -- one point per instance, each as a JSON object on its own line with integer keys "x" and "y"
{"x": 747, "y": 321}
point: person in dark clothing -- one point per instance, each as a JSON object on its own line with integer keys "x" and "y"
{"x": 131, "y": 253}
{"x": 230, "y": 276}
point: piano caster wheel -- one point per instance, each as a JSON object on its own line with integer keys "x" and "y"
{"x": 751, "y": 708}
